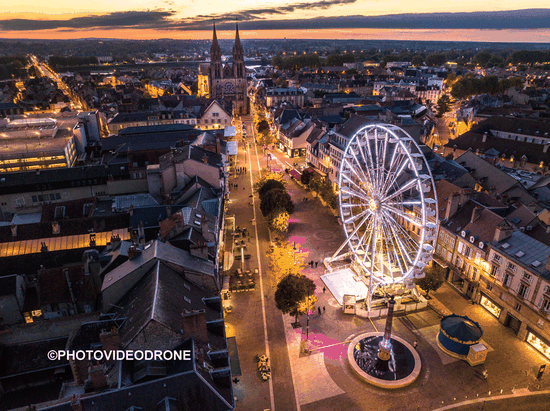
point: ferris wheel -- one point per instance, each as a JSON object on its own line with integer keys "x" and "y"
{"x": 388, "y": 207}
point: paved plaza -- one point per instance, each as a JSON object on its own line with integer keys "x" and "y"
{"x": 323, "y": 380}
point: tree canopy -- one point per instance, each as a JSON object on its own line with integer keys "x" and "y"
{"x": 279, "y": 221}
{"x": 270, "y": 185}
{"x": 276, "y": 199}
{"x": 434, "y": 278}
{"x": 266, "y": 175}
{"x": 283, "y": 260}
{"x": 292, "y": 295}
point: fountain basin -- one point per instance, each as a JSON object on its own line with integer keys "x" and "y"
{"x": 401, "y": 370}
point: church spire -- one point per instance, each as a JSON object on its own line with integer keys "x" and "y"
{"x": 215, "y": 51}
{"x": 215, "y": 56}
{"x": 238, "y": 56}
{"x": 238, "y": 46}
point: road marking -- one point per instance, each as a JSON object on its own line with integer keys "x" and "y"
{"x": 270, "y": 381}
{"x": 489, "y": 399}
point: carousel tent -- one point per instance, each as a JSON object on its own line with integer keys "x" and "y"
{"x": 458, "y": 333}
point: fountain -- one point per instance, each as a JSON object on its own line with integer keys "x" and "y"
{"x": 384, "y": 360}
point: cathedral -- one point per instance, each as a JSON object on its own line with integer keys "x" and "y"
{"x": 225, "y": 82}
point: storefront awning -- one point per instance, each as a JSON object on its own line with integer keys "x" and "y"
{"x": 295, "y": 174}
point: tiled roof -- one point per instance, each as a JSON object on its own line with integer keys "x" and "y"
{"x": 532, "y": 250}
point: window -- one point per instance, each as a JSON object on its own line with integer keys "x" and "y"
{"x": 507, "y": 279}
{"x": 527, "y": 277}
{"x": 497, "y": 258}
{"x": 511, "y": 267}
{"x": 34, "y": 199}
{"x": 467, "y": 252}
{"x": 523, "y": 290}
{"x": 494, "y": 271}
{"x": 489, "y": 286}
{"x": 517, "y": 307}
{"x": 545, "y": 304}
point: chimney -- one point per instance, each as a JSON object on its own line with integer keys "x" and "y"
{"x": 133, "y": 252}
{"x": 14, "y": 230}
{"x": 141, "y": 232}
{"x": 476, "y": 213}
{"x": 218, "y": 148}
{"x": 75, "y": 403}
{"x": 453, "y": 203}
{"x": 545, "y": 148}
{"x": 131, "y": 210}
{"x": 115, "y": 241}
{"x": 97, "y": 376}
{"x": 110, "y": 341}
{"x": 205, "y": 159}
{"x": 548, "y": 229}
{"x": 194, "y": 325}
{"x": 484, "y": 139}
{"x": 503, "y": 230}
{"x": 169, "y": 211}
{"x": 55, "y": 227}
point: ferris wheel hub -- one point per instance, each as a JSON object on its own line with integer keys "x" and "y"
{"x": 374, "y": 205}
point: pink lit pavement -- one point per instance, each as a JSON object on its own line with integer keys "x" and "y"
{"x": 322, "y": 380}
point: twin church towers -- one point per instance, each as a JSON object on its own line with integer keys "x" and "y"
{"x": 227, "y": 81}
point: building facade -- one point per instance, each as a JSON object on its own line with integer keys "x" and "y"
{"x": 226, "y": 81}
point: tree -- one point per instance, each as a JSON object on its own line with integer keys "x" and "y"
{"x": 276, "y": 199}
{"x": 433, "y": 280}
{"x": 306, "y": 176}
{"x": 436, "y": 59}
{"x": 443, "y": 105}
{"x": 295, "y": 295}
{"x": 265, "y": 138}
{"x": 417, "y": 60}
{"x": 262, "y": 125}
{"x": 270, "y": 185}
{"x": 279, "y": 221}
{"x": 266, "y": 175}
{"x": 283, "y": 260}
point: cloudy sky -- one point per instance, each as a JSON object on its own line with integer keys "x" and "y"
{"x": 142, "y": 19}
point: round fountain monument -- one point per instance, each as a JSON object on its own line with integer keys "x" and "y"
{"x": 384, "y": 360}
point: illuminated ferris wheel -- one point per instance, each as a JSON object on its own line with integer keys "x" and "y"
{"x": 388, "y": 207}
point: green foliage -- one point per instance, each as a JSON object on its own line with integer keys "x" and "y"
{"x": 276, "y": 199}
{"x": 434, "y": 278}
{"x": 12, "y": 66}
{"x": 337, "y": 59}
{"x": 265, "y": 138}
{"x": 465, "y": 87}
{"x": 324, "y": 189}
{"x": 436, "y": 59}
{"x": 417, "y": 60}
{"x": 60, "y": 61}
{"x": 443, "y": 105}
{"x": 295, "y": 62}
{"x": 279, "y": 221}
{"x": 262, "y": 125}
{"x": 266, "y": 175}
{"x": 269, "y": 185}
{"x": 306, "y": 177}
{"x": 292, "y": 295}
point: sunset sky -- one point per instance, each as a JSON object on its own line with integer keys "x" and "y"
{"x": 148, "y": 19}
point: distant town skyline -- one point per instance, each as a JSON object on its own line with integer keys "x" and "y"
{"x": 184, "y": 19}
